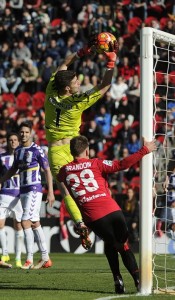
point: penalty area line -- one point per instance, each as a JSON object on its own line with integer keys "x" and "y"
{"x": 120, "y": 296}
{"x": 112, "y": 297}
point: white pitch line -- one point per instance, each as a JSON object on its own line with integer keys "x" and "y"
{"x": 121, "y": 296}
{"x": 112, "y": 297}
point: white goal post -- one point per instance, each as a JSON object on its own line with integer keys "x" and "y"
{"x": 150, "y": 38}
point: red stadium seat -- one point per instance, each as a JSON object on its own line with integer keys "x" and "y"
{"x": 163, "y": 22}
{"x": 148, "y": 20}
{"x": 172, "y": 77}
{"x": 56, "y": 22}
{"x": 133, "y": 24}
{"x": 135, "y": 183}
{"x": 38, "y": 100}
{"x": 159, "y": 77}
{"x": 8, "y": 97}
{"x": 22, "y": 100}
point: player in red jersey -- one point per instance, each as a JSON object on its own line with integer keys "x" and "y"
{"x": 86, "y": 181}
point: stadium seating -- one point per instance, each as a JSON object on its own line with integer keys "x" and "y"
{"x": 8, "y": 97}
{"x": 22, "y": 100}
{"x": 38, "y": 100}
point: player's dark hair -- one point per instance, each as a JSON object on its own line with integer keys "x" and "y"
{"x": 12, "y": 133}
{"x": 63, "y": 79}
{"x": 26, "y": 124}
{"x": 78, "y": 144}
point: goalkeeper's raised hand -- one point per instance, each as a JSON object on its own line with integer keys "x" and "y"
{"x": 112, "y": 55}
{"x": 89, "y": 48}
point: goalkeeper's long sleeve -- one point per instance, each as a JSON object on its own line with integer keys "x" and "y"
{"x": 72, "y": 209}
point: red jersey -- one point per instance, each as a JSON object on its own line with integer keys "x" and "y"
{"x": 86, "y": 181}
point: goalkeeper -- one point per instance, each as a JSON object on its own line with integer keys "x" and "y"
{"x": 64, "y": 108}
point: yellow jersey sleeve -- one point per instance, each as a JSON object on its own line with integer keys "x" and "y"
{"x": 63, "y": 114}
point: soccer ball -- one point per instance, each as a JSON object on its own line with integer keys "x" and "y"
{"x": 103, "y": 40}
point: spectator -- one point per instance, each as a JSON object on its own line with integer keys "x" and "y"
{"x": 53, "y": 51}
{"x": 17, "y": 6}
{"x": 125, "y": 70}
{"x": 89, "y": 67}
{"x": 2, "y": 6}
{"x": 94, "y": 135}
{"x": 31, "y": 39}
{"x": 43, "y": 41}
{"x": 12, "y": 79}
{"x": 86, "y": 84}
{"x": 29, "y": 75}
{"x": 138, "y": 8}
{"x": 5, "y": 54}
{"x": 8, "y": 18}
{"x": 21, "y": 53}
{"x": 134, "y": 143}
{"x": 118, "y": 90}
{"x": 7, "y": 124}
{"x": 124, "y": 133}
{"x": 103, "y": 119}
{"x": 124, "y": 111}
{"x": 45, "y": 70}
{"x": 130, "y": 210}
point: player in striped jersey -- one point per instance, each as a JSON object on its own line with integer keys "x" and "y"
{"x": 10, "y": 204}
{"x": 28, "y": 159}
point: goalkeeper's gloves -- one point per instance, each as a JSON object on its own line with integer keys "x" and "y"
{"x": 112, "y": 55}
{"x": 89, "y": 48}
{"x": 82, "y": 230}
{"x": 84, "y": 51}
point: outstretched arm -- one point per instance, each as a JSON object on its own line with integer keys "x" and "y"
{"x": 132, "y": 159}
{"x": 119, "y": 165}
{"x": 67, "y": 62}
{"x": 86, "y": 50}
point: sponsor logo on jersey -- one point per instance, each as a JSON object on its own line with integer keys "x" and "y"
{"x": 107, "y": 162}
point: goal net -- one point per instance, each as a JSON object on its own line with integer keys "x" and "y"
{"x": 157, "y": 206}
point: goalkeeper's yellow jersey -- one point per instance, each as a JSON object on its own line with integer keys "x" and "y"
{"x": 63, "y": 114}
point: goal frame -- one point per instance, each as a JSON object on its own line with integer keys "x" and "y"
{"x": 147, "y": 36}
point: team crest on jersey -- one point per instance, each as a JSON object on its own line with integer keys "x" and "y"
{"x": 107, "y": 162}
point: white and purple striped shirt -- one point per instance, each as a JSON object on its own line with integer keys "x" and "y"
{"x": 11, "y": 186}
{"x": 29, "y": 161}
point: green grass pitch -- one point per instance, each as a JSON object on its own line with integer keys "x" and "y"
{"x": 72, "y": 277}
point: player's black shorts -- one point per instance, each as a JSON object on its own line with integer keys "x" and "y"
{"x": 112, "y": 228}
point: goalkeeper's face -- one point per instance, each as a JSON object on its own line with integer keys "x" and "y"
{"x": 74, "y": 86}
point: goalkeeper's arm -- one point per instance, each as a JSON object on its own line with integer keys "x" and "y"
{"x": 111, "y": 60}
{"x": 86, "y": 50}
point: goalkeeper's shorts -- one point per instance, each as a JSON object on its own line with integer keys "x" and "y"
{"x": 59, "y": 156}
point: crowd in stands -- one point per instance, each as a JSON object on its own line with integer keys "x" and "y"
{"x": 37, "y": 35}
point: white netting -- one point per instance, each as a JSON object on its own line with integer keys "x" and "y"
{"x": 164, "y": 163}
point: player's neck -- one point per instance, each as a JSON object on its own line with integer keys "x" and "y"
{"x": 64, "y": 94}
{"x": 84, "y": 155}
{"x": 26, "y": 144}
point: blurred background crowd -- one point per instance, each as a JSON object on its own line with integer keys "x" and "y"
{"x": 37, "y": 35}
